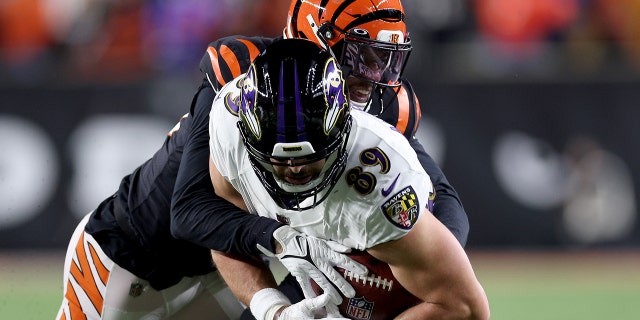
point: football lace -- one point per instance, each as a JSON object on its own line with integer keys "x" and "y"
{"x": 370, "y": 280}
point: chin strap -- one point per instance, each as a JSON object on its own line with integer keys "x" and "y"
{"x": 380, "y": 92}
{"x": 366, "y": 106}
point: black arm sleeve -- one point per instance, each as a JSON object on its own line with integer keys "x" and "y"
{"x": 200, "y": 216}
{"x": 447, "y": 206}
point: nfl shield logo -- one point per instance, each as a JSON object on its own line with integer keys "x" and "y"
{"x": 359, "y": 308}
{"x": 136, "y": 289}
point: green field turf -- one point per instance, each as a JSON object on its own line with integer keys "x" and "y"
{"x": 520, "y": 286}
{"x": 561, "y": 286}
{"x": 30, "y": 285}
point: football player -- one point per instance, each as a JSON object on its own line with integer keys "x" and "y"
{"x": 132, "y": 241}
{"x": 347, "y": 28}
{"x": 372, "y": 43}
{"x": 285, "y": 144}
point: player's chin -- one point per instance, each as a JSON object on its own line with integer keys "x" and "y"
{"x": 296, "y": 181}
{"x": 359, "y": 90}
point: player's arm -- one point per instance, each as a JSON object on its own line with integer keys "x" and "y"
{"x": 237, "y": 269}
{"x": 432, "y": 265}
{"x": 230, "y": 266}
{"x": 200, "y": 216}
{"x": 253, "y": 284}
{"x": 448, "y": 207}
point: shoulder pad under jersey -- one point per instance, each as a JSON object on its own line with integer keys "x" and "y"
{"x": 229, "y": 57}
{"x": 401, "y": 108}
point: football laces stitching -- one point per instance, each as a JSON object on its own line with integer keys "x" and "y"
{"x": 369, "y": 280}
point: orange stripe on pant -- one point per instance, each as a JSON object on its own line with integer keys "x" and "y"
{"x": 82, "y": 274}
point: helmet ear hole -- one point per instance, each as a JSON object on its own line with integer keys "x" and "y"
{"x": 361, "y": 32}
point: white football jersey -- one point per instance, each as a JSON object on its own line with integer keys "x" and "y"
{"x": 358, "y": 215}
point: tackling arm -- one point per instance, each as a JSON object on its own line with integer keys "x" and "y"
{"x": 243, "y": 275}
{"x": 447, "y": 205}
{"x": 200, "y": 216}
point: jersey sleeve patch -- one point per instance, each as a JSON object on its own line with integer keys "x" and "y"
{"x": 402, "y": 209}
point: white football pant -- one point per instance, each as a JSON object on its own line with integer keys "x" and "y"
{"x": 97, "y": 288}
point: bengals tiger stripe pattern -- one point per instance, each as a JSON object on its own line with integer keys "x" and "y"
{"x": 86, "y": 282}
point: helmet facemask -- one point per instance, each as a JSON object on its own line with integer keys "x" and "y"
{"x": 300, "y": 196}
{"x": 376, "y": 64}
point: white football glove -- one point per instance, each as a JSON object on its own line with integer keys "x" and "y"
{"x": 308, "y": 309}
{"x": 312, "y": 258}
{"x": 332, "y": 312}
{"x": 266, "y": 303}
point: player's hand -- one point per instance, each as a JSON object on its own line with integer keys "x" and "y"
{"x": 332, "y": 312}
{"x": 307, "y": 309}
{"x": 272, "y": 304}
{"x": 312, "y": 258}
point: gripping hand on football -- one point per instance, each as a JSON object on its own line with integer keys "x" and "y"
{"x": 272, "y": 304}
{"x": 309, "y": 309}
{"x": 312, "y": 258}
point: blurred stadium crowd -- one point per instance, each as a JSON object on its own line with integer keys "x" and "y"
{"x": 518, "y": 99}
{"x": 105, "y": 41}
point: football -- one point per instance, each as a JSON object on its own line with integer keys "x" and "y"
{"x": 379, "y": 295}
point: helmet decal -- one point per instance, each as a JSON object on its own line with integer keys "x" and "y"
{"x": 334, "y": 94}
{"x": 281, "y": 132}
{"x": 391, "y": 36}
{"x": 248, "y": 105}
{"x": 232, "y": 102}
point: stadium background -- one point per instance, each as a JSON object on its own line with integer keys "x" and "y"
{"x": 529, "y": 106}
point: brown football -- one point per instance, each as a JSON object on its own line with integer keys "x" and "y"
{"x": 379, "y": 295}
